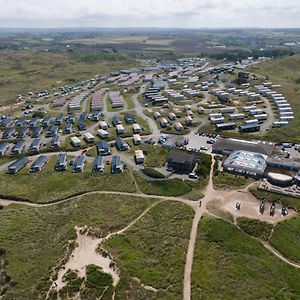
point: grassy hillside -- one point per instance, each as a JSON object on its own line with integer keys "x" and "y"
{"x": 153, "y": 251}
{"x": 285, "y": 71}
{"x": 228, "y": 264}
{"x": 34, "y": 240}
{"x": 286, "y": 238}
{"x": 24, "y": 71}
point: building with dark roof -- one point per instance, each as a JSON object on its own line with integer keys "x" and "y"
{"x": 8, "y": 133}
{"x": 249, "y": 128}
{"x": 37, "y": 131}
{"x": 227, "y": 146}
{"x": 79, "y": 164}
{"x": 55, "y": 142}
{"x": 52, "y": 131}
{"x": 22, "y": 132}
{"x": 34, "y": 146}
{"x": 3, "y": 148}
{"x": 17, "y": 148}
{"x": 98, "y": 165}
{"x": 61, "y": 162}
{"x": 103, "y": 148}
{"x": 181, "y": 162}
{"x": 121, "y": 144}
{"x": 226, "y": 126}
{"x": 129, "y": 118}
{"x": 38, "y": 164}
{"x": 116, "y": 165}
{"x": 283, "y": 164}
{"x": 18, "y": 165}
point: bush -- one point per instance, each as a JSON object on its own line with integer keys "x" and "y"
{"x": 153, "y": 173}
{"x": 255, "y": 228}
{"x": 204, "y": 165}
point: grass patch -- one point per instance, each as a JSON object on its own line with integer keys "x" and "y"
{"x": 49, "y": 185}
{"x": 153, "y": 250}
{"x": 171, "y": 187}
{"x": 229, "y": 264}
{"x": 43, "y": 235}
{"x": 155, "y": 156}
{"x": 153, "y": 173}
{"x": 286, "y": 238}
{"x": 227, "y": 180}
{"x": 255, "y": 228}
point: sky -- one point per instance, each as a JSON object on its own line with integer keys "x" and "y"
{"x": 149, "y": 13}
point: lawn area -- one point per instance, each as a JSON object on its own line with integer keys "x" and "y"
{"x": 49, "y": 185}
{"x": 24, "y": 71}
{"x": 228, "y": 264}
{"x": 171, "y": 187}
{"x": 36, "y": 239}
{"x": 153, "y": 173}
{"x": 155, "y": 155}
{"x": 286, "y": 238}
{"x": 227, "y": 180}
{"x": 153, "y": 251}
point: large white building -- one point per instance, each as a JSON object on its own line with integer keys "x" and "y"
{"x": 246, "y": 163}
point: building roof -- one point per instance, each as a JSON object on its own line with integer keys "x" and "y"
{"x": 181, "y": 157}
{"x": 229, "y": 145}
{"x": 247, "y": 160}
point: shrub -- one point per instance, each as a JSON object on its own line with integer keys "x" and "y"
{"x": 153, "y": 173}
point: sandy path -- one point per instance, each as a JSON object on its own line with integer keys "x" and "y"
{"x": 85, "y": 254}
{"x": 209, "y": 192}
{"x": 280, "y": 256}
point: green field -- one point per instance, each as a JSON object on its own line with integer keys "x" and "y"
{"x": 153, "y": 250}
{"x": 24, "y": 71}
{"x": 286, "y": 239}
{"x": 227, "y": 180}
{"x": 228, "y": 264}
{"x": 50, "y": 186}
{"x": 171, "y": 187}
{"x": 36, "y": 239}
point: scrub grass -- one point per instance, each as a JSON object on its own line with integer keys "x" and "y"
{"x": 36, "y": 239}
{"x": 153, "y": 251}
{"x": 229, "y": 264}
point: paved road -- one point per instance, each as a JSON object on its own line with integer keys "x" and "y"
{"x": 155, "y": 132}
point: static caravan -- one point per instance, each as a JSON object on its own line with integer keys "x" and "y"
{"x": 102, "y": 133}
{"x": 75, "y": 141}
{"x": 139, "y": 157}
{"x": 88, "y": 137}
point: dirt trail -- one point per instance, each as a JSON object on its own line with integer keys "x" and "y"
{"x": 279, "y": 255}
{"x": 83, "y": 255}
{"x": 209, "y": 192}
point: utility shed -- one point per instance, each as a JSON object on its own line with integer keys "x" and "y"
{"x": 181, "y": 162}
